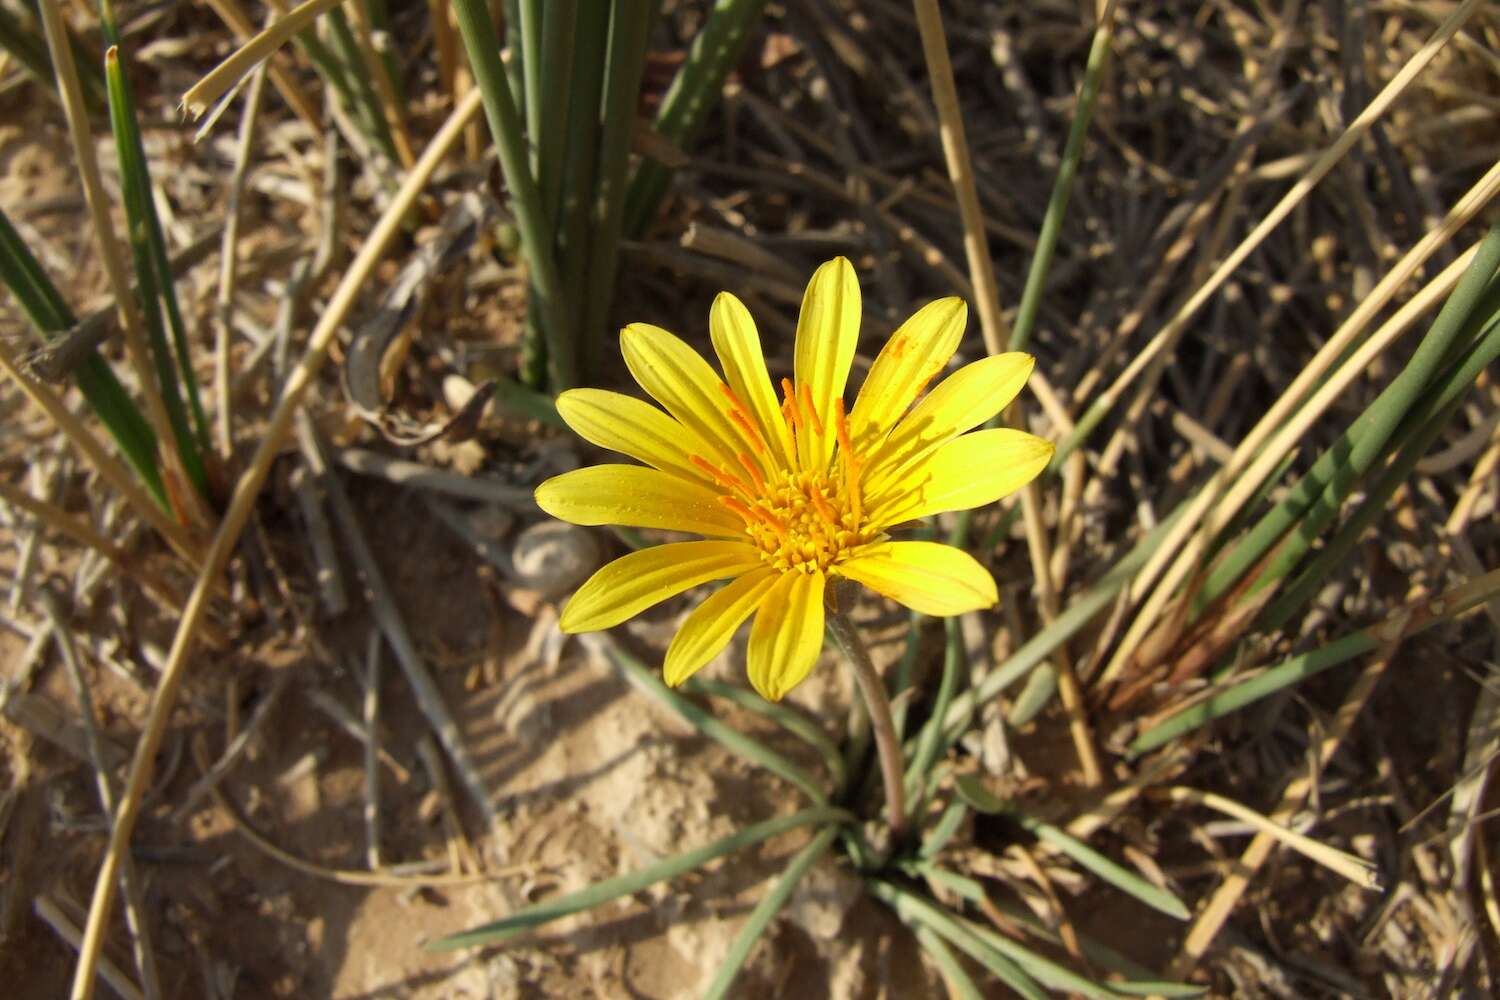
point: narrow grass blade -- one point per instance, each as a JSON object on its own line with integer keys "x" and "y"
{"x": 1364, "y": 441}
{"x": 1139, "y": 981}
{"x": 765, "y": 910}
{"x": 1041, "y": 645}
{"x": 693, "y": 92}
{"x": 559, "y": 69}
{"x": 532, "y": 14}
{"x": 1116, "y": 875}
{"x": 580, "y": 164}
{"x": 629, "y": 30}
{"x": 367, "y": 107}
{"x": 784, "y": 716}
{"x": 960, "y": 986}
{"x": 603, "y": 892}
{"x": 915, "y": 911}
{"x": 50, "y": 315}
{"x": 944, "y": 829}
{"x": 154, "y": 276}
{"x": 537, "y": 234}
{"x": 930, "y": 740}
{"x": 645, "y": 680}
{"x": 1062, "y": 187}
{"x": 1408, "y": 621}
{"x": 1417, "y": 434}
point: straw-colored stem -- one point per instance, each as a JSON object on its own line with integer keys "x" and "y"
{"x": 1284, "y": 426}
{"x": 342, "y": 300}
{"x": 201, "y": 95}
{"x": 1167, "y": 337}
{"x": 83, "y": 533}
{"x": 93, "y": 452}
{"x": 232, "y": 14}
{"x": 961, "y": 173}
{"x": 228, "y": 265}
{"x": 887, "y": 743}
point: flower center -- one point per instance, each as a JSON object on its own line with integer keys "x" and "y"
{"x": 795, "y": 511}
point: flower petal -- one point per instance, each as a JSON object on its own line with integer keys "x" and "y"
{"x": 637, "y": 497}
{"x": 680, "y": 380}
{"x": 959, "y": 403}
{"x": 632, "y": 427}
{"x": 929, "y": 577}
{"x": 914, "y": 355}
{"x": 967, "y": 472}
{"x": 632, "y": 583}
{"x": 787, "y": 635}
{"x": 712, "y": 624}
{"x": 737, "y": 344}
{"x": 827, "y": 332}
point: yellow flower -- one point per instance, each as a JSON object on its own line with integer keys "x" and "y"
{"x": 790, "y": 490}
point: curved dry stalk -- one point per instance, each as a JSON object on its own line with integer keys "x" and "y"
{"x": 961, "y": 173}
{"x": 245, "y": 494}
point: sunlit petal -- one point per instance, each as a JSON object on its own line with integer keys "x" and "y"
{"x": 787, "y": 634}
{"x": 827, "y": 332}
{"x": 635, "y": 582}
{"x": 929, "y": 577}
{"x": 680, "y": 380}
{"x": 632, "y": 427}
{"x": 713, "y": 623}
{"x": 738, "y": 346}
{"x": 959, "y": 403}
{"x": 912, "y": 358}
{"x": 637, "y": 497}
{"x": 967, "y": 472}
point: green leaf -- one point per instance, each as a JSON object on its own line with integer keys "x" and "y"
{"x": 603, "y": 892}
{"x": 767, "y": 908}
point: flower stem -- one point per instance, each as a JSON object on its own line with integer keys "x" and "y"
{"x": 879, "y": 705}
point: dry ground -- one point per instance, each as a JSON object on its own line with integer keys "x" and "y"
{"x": 826, "y": 144}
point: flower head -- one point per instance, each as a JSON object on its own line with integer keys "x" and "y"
{"x": 790, "y": 488}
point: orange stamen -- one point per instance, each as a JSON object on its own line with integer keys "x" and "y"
{"x": 718, "y": 475}
{"x": 789, "y": 404}
{"x": 742, "y": 418}
{"x": 812, "y": 413}
{"x": 745, "y": 513}
{"x": 851, "y": 463}
{"x": 749, "y": 465}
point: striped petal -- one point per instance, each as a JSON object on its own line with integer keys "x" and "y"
{"x": 827, "y": 332}
{"x": 929, "y": 577}
{"x": 961, "y": 402}
{"x": 967, "y": 472}
{"x": 787, "y": 635}
{"x": 912, "y": 358}
{"x": 632, "y": 427}
{"x": 636, "y": 497}
{"x": 737, "y": 344}
{"x": 633, "y": 583}
{"x": 712, "y": 624}
{"x": 680, "y": 380}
